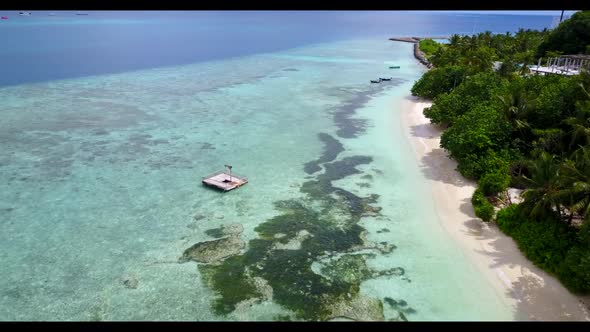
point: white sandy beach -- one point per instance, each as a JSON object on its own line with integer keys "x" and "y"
{"x": 533, "y": 293}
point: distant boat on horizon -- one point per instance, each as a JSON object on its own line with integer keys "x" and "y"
{"x": 81, "y": 13}
{"x": 51, "y": 14}
{"x": 24, "y": 13}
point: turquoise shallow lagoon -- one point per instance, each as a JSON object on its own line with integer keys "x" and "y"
{"x": 100, "y": 185}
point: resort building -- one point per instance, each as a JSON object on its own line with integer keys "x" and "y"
{"x": 568, "y": 65}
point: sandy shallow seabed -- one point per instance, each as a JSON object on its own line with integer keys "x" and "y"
{"x": 533, "y": 293}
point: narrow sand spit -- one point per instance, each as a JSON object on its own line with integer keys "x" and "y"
{"x": 533, "y": 293}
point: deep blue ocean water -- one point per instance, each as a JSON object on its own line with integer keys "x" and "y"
{"x": 42, "y": 47}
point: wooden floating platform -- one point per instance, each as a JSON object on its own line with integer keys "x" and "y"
{"x": 221, "y": 180}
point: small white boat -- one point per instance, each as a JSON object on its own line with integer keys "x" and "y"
{"x": 24, "y": 13}
{"x": 81, "y": 13}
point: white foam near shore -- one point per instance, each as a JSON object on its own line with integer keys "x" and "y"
{"x": 533, "y": 293}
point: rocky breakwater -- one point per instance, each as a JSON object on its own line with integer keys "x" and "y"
{"x": 418, "y": 54}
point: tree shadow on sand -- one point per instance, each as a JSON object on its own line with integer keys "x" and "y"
{"x": 436, "y": 165}
{"x": 427, "y": 130}
{"x": 485, "y": 232}
{"x": 423, "y": 130}
{"x": 535, "y": 292}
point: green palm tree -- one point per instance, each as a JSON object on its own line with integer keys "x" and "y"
{"x": 541, "y": 197}
{"x": 455, "y": 40}
{"x": 516, "y": 105}
{"x": 575, "y": 183}
{"x": 527, "y": 59}
{"x": 580, "y": 124}
{"x": 479, "y": 59}
{"x": 471, "y": 44}
{"x": 486, "y": 38}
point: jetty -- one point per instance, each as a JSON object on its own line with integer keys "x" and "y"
{"x": 419, "y": 55}
{"x": 417, "y": 39}
{"x": 224, "y": 180}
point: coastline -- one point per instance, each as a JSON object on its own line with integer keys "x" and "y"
{"x": 532, "y": 292}
{"x": 418, "y": 54}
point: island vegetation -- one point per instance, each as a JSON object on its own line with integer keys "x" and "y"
{"x": 508, "y": 129}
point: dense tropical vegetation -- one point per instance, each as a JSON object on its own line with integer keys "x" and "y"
{"x": 571, "y": 37}
{"x": 507, "y": 128}
{"x": 429, "y": 46}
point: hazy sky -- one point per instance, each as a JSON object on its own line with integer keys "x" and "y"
{"x": 519, "y": 12}
{"x": 510, "y": 12}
